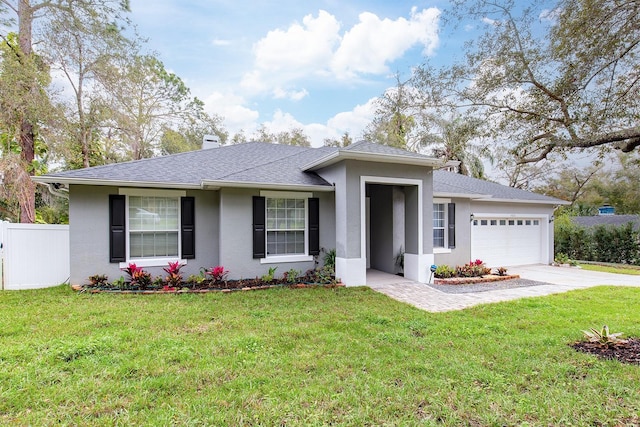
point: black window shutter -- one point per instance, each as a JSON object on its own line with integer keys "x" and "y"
{"x": 314, "y": 226}
{"x": 452, "y": 224}
{"x": 188, "y": 227}
{"x": 117, "y": 228}
{"x": 259, "y": 230}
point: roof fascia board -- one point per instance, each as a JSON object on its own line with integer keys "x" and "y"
{"x": 113, "y": 183}
{"x": 473, "y": 196}
{"x": 213, "y": 184}
{"x": 370, "y": 157}
{"x": 555, "y": 202}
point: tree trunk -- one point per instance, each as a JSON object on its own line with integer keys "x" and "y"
{"x": 27, "y": 134}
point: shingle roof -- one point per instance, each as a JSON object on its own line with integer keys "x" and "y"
{"x": 250, "y": 162}
{"x": 614, "y": 220}
{"x": 370, "y": 147}
{"x": 272, "y": 164}
{"x": 453, "y": 183}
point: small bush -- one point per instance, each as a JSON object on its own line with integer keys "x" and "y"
{"x": 218, "y": 274}
{"x": 444, "y": 272}
{"x": 501, "y": 271}
{"x": 98, "y": 279}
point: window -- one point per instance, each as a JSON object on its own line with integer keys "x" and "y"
{"x": 503, "y": 222}
{"x": 153, "y": 227}
{"x": 286, "y": 226}
{"x": 438, "y": 225}
{"x": 494, "y": 222}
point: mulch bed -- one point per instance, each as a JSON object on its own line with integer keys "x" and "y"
{"x": 625, "y": 353}
{"x": 467, "y": 280}
{"x": 230, "y": 286}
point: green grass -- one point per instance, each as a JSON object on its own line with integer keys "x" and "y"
{"x": 618, "y": 269}
{"x": 310, "y": 357}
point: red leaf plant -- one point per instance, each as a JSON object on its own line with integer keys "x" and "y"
{"x": 174, "y": 278}
{"x": 217, "y": 273}
{"x": 137, "y": 276}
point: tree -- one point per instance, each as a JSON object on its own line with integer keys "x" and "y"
{"x": 28, "y": 13}
{"x": 568, "y": 81}
{"x": 189, "y": 134}
{"x": 344, "y": 141}
{"x": 454, "y": 141}
{"x": 81, "y": 46}
{"x": 295, "y": 136}
{"x": 144, "y": 99}
{"x": 24, "y": 108}
{"x": 396, "y": 119}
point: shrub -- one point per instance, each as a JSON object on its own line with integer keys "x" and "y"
{"x": 501, "y": 271}
{"x": 98, "y": 279}
{"x": 137, "y": 276}
{"x": 604, "y": 338}
{"x": 291, "y": 276}
{"x": 174, "y": 277}
{"x": 270, "y": 275}
{"x": 330, "y": 259}
{"x": 600, "y": 244}
{"x": 218, "y": 274}
{"x": 444, "y": 272}
{"x": 473, "y": 269}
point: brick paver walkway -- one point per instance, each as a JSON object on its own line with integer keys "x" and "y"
{"x": 560, "y": 280}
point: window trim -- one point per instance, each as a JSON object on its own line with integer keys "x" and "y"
{"x": 152, "y": 261}
{"x": 441, "y": 249}
{"x": 275, "y": 259}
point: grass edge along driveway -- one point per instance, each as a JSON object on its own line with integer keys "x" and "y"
{"x": 310, "y": 357}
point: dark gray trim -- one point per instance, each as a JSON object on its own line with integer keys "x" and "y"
{"x": 259, "y": 229}
{"x": 117, "y": 228}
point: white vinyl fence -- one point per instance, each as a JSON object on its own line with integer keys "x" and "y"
{"x": 33, "y": 255}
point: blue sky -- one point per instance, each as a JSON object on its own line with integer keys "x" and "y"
{"x": 316, "y": 65}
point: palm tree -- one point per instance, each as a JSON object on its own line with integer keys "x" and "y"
{"x": 455, "y": 140}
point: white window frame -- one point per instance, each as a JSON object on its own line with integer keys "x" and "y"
{"x": 155, "y": 261}
{"x": 444, "y": 249}
{"x": 276, "y": 259}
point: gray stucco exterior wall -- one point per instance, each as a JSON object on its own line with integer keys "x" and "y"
{"x": 236, "y": 234}
{"x": 465, "y": 207}
{"x": 89, "y": 233}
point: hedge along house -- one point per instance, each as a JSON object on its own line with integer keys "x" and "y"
{"x": 253, "y": 206}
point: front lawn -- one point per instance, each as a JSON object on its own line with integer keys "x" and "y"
{"x": 310, "y": 357}
{"x": 612, "y": 268}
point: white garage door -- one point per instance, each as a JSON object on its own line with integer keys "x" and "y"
{"x": 507, "y": 241}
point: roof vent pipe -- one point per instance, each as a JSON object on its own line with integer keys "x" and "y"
{"x": 210, "y": 141}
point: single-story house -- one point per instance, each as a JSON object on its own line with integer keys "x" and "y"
{"x": 256, "y": 205}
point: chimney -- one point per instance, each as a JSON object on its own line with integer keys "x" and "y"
{"x": 210, "y": 141}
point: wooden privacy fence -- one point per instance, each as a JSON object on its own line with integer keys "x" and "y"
{"x": 33, "y": 255}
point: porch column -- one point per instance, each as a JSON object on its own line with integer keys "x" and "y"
{"x": 351, "y": 261}
{"x": 416, "y": 262}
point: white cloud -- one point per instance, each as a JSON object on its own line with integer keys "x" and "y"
{"x": 354, "y": 121}
{"x": 373, "y": 42}
{"x": 220, "y": 42}
{"x": 316, "y": 48}
{"x": 294, "y": 95}
{"x": 230, "y": 106}
{"x": 490, "y": 21}
{"x": 300, "y": 47}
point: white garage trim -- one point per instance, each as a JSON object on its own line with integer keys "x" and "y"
{"x": 541, "y": 254}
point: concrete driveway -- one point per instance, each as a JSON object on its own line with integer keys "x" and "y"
{"x": 558, "y": 279}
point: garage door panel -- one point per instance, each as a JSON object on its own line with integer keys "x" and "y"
{"x": 504, "y": 242}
